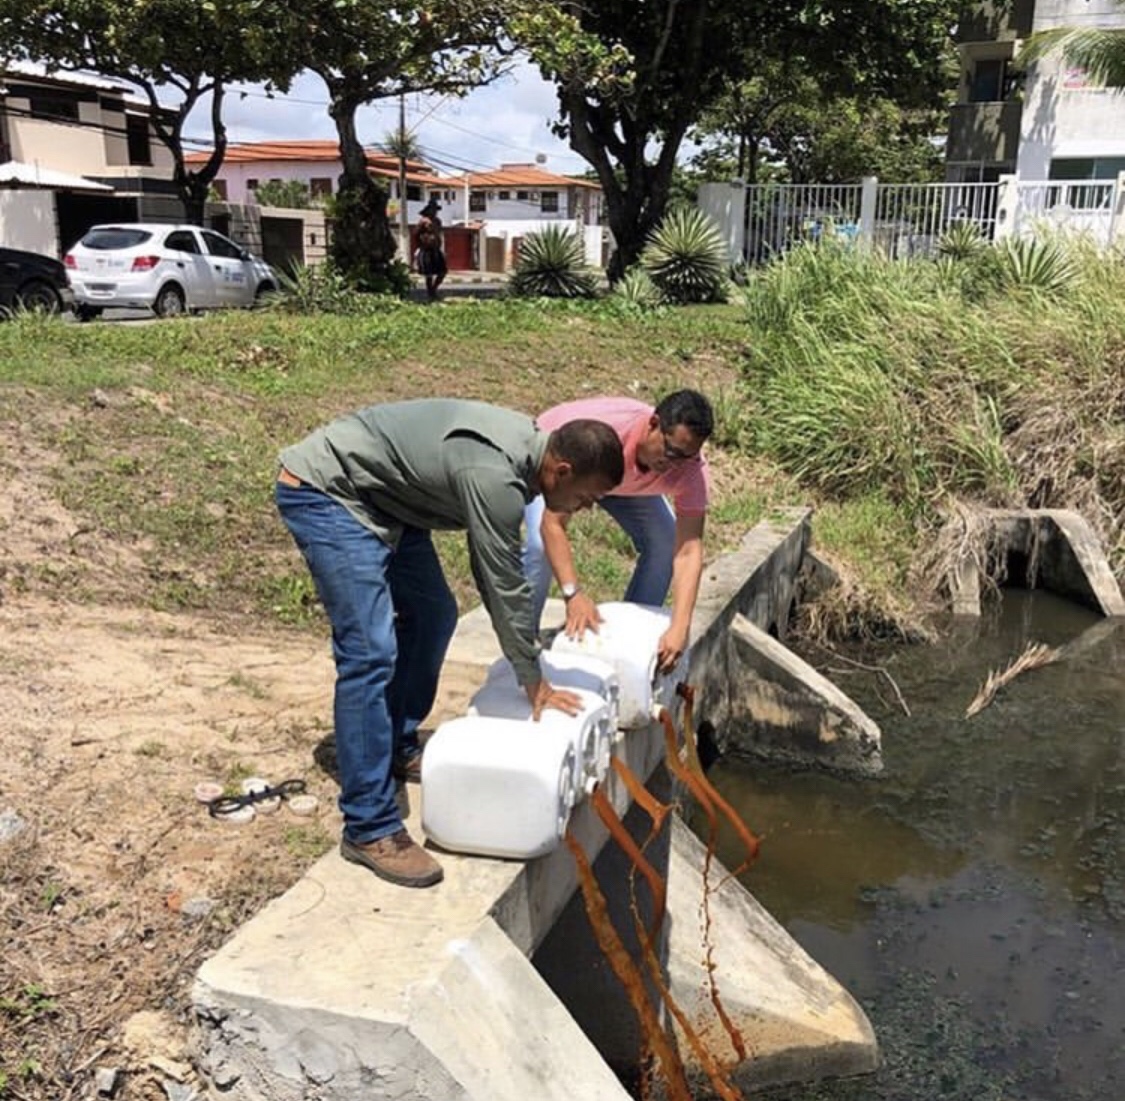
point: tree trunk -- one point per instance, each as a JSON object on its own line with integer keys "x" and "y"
{"x": 363, "y": 245}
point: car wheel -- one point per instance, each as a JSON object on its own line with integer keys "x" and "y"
{"x": 87, "y": 313}
{"x": 169, "y": 302}
{"x": 38, "y": 297}
{"x": 263, "y": 292}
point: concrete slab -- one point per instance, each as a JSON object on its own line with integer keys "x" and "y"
{"x": 779, "y": 706}
{"x": 347, "y": 986}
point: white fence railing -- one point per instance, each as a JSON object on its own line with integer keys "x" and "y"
{"x": 760, "y": 221}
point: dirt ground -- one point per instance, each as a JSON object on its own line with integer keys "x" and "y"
{"x": 114, "y": 881}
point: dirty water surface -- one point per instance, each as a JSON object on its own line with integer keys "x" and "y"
{"x": 973, "y": 898}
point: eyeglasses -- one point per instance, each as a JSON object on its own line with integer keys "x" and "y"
{"x": 678, "y": 455}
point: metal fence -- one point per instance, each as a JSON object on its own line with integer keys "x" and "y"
{"x": 901, "y": 220}
{"x": 1082, "y": 208}
{"x": 779, "y": 216}
{"x": 911, "y": 218}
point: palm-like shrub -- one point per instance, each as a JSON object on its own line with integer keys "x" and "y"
{"x": 552, "y": 264}
{"x": 961, "y": 241}
{"x": 687, "y": 258}
{"x": 1037, "y": 263}
{"x": 637, "y": 291}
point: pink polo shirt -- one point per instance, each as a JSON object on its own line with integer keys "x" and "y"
{"x": 686, "y": 483}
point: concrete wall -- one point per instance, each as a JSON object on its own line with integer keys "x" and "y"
{"x": 27, "y": 221}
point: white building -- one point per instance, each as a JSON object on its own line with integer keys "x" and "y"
{"x": 1050, "y": 122}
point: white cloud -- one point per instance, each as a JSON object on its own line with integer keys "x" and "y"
{"x": 506, "y": 121}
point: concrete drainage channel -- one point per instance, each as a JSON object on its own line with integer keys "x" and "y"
{"x": 491, "y": 985}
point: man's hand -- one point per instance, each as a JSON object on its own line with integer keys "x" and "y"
{"x": 581, "y": 614}
{"x": 543, "y": 695}
{"x": 671, "y": 648}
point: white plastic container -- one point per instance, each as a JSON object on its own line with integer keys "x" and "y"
{"x": 568, "y": 670}
{"x": 591, "y": 731}
{"x": 629, "y": 638}
{"x": 498, "y": 787}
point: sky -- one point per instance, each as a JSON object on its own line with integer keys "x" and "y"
{"x": 506, "y": 122}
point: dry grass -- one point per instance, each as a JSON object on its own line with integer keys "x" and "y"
{"x": 1034, "y": 656}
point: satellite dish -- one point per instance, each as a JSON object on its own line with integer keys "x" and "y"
{"x": 540, "y": 158}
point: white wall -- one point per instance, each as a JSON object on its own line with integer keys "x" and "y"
{"x": 27, "y": 221}
{"x": 1062, "y": 117}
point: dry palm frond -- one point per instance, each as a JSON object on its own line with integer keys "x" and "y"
{"x": 1035, "y": 655}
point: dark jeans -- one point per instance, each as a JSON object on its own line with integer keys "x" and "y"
{"x": 392, "y": 617}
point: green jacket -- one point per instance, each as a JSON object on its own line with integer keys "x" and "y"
{"x": 441, "y": 464}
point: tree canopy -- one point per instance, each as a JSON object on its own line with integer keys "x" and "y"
{"x": 684, "y": 56}
{"x": 164, "y": 48}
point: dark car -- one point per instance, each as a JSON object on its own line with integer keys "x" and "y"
{"x": 29, "y": 281}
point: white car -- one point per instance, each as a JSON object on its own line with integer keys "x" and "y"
{"x": 165, "y": 268}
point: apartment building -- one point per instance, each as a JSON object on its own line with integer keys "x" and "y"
{"x": 1049, "y": 121}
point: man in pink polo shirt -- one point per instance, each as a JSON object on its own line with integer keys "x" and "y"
{"x": 663, "y": 462}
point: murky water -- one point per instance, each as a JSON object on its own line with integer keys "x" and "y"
{"x": 973, "y": 899}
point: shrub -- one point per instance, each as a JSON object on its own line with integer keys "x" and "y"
{"x": 552, "y": 264}
{"x": 322, "y": 289}
{"x": 637, "y": 292}
{"x": 962, "y": 241}
{"x": 1038, "y": 263}
{"x": 687, "y": 258}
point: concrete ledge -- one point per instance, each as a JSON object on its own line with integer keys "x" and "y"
{"x": 778, "y": 706}
{"x": 1061, "y": 554}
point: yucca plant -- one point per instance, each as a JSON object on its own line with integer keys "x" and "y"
{"x": 1039, "y": 264}
{"x": 637, "y": 291}
{"x": 552, "y": 264}
{"x": 961, "y": 241}
{"x": 687, "y": 257}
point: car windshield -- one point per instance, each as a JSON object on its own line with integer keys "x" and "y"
{"x": 114, "y": 237}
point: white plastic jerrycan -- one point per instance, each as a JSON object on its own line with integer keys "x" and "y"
{"x": 591, "y": 731}
{"x": 629, "y": 638}
{"x": 568, "y": 670}
{"x": 498, "y": 787}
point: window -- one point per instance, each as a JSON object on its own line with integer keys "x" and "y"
{"x": 52, "y": 105}
{"x": 505, "y": 195}
{"x": 478, "y": 202}
{"x": 251, "y": 184}
{"x": 220, "y": 246}
{"x": 137, "y": 137}
{"x": 414, "y": 192}
{"x": 220, "y": 189}
{"x": 521, "y": 196}
{"x": 320, "y": 186}
{"x": 991, "y": 80}
{"x": 182, "y": 241}
{"x": 549, "y": 202}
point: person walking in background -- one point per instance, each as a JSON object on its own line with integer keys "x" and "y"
{"x": 663, "y": 459}
{"x": 431, "y": 256}
{"x": 361, "y": 497}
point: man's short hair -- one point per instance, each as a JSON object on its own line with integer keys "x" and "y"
{"x": 689, "y": 408}
{"x": 591, "y": 447}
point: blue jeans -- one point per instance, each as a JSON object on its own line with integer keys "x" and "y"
{"x": 392, "y": 617}
{"x": 650, "y": 524}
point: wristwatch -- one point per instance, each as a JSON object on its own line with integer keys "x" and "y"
{"x": 569, "y": 589}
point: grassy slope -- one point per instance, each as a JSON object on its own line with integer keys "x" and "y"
{"x": 161, "y": 439}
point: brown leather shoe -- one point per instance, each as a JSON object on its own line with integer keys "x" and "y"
{"x": 396, "y": 859}
{"x": 408, "y": 771}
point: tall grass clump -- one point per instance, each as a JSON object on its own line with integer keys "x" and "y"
{"x": 910, "y": 379}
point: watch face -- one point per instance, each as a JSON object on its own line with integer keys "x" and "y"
{"x": 569, "y": 590}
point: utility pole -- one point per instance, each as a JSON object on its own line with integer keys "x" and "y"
{"x": 403, "y": 220}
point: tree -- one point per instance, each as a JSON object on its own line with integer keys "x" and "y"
{"x": 162, "y": 47}
{"x": 683, "y": 56}
{"x": 1098, "y": 50}
{"x": 366, "y": 50}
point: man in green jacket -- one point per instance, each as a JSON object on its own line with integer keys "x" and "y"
{"x": 361, "y": 497}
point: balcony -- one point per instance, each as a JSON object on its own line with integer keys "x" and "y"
{"x": 993, "y": 22}
{"x": 984, "y": 133}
